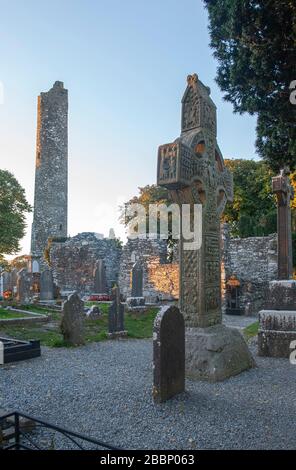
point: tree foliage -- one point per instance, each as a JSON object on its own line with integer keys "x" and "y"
{"x": 255, "y": 44}
{"x": 149, "y": 194}
{"x": 253, "y": 211}
{"x": 13, "y": 210}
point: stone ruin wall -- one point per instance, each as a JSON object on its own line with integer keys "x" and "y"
{"x": 253, "y": 261}
{"x": 160, "y": 277}
{"x": 73, "y": 262}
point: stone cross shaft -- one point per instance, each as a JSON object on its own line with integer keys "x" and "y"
{"x": 284, "y": 192}
{"x": 193, "y": 170}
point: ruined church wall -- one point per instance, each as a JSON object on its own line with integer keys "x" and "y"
{"x": 160, "y": 277}
{"x": 253, "y": 261}
{"x": 73, "y": 262}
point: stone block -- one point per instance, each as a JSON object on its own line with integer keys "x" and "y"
{"x": 277, "y": 329}
{"x": 216, "y": 353}
{"x": 282, "y": 295}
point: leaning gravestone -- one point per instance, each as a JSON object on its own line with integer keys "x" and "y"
{"x": 72, "y": 324}
{"x": 116, "y": 315}
{"x": 100, "y": 283}
{"x": 277, "y": 324}
{"x": 193, "y": 170}
{"x": 46, "y": 286}
{"x": 168, "y": 354}
{"x": 136, "y": 299}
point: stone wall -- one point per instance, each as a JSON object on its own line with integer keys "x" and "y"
{"x": 160, "y": 277}
{"x": 253, "y": 261}
{"x": 73, "y": 262}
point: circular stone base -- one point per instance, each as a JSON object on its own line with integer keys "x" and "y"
{"x": 216, "y": 353}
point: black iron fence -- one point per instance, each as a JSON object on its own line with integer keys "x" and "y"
{"x": 19, "y": 431}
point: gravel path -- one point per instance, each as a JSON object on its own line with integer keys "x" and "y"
{"x": 238, "y": 321}
{"x": 104, "y": 390}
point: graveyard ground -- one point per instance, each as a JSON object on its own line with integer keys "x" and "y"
{"x": 49, "y": 334}
{"x": 104, "y": 390}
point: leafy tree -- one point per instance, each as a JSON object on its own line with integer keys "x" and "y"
{"x": 19, "y": 262}
{"x": 255, "y": 44}
{"x": 13, "y": 210}
{"x": 253, "y": 211}
{"x": 150, "y": 194}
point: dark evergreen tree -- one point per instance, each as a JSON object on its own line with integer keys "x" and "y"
{"x": 255, "y": 44}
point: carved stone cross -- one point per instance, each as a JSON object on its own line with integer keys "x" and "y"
{"x": 192, "y": 168}
{"x": 284, "y": 192}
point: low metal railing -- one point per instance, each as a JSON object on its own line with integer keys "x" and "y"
{"x": 26, "y": 437}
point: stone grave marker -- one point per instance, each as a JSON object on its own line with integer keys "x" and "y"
{"x": 100, "y": 283}
{"x": 46, "y": 286}
{"x": 72, "y": 324}
{"x": 23, "y": 284}
{"x": 168, "y": 354}
{"x": 136, "y": 299}
{"x": 116, "y": 315}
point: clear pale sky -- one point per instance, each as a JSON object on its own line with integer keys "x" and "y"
{"x": 125, "y": 65}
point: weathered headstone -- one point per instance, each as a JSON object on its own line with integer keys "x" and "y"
{"x": 277, "y": 324}
{"x": 100, "y": 283}
{"x": 116, "y": 315}
{"x": 46, "y": 286}
{"x": 72, "y": 324}
{"x": 193, "y": 170}
{"x": 136, "y": 299}
{"x": 168, "y": 354}
{"x": 23, "y": 284}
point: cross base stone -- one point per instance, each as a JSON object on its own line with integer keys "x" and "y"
{"x": 282, "y": 295}
{"x": 277, "y": 329}
{"x": 216, "y": 353}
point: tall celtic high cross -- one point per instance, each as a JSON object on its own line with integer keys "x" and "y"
{"x": 193, "y": 170}
{"x": 284, "y": 192}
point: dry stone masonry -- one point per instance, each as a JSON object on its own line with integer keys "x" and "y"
{"x": 253, "y": 263}
{"x": 160, "y": 277}
{"x": 51, "y": 173}
{"x": 74, "y": 262}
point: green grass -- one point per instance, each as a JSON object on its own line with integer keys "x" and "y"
{"x": 251, "y": 330}
{"x": 6, "y": 314}
{"x": 138, "y": 325}
{"x": 47, "y": 338}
